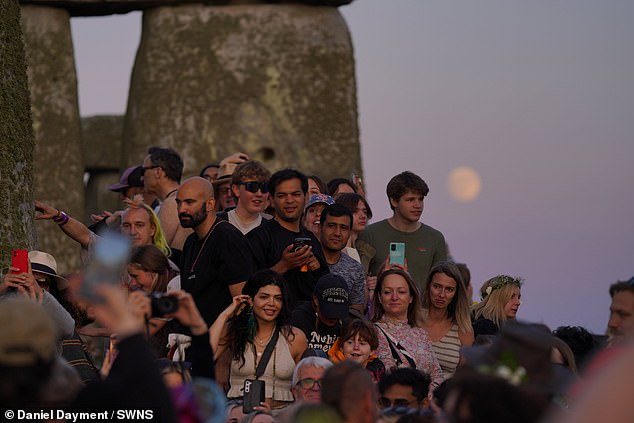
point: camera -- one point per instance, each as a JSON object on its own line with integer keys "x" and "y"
{"x": 163, "y": 304}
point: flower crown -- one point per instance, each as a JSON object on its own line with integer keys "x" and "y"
{"x": 504, "y": 280}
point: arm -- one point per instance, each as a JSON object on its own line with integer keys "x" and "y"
{"x": 168, "y": 216}
{"x": 217, "y": 331}
{"x": 466, "y": 338}
{"x": 298, "y": 345}
{"x": 73, "y": 228}
{"x": 236, "y": 288}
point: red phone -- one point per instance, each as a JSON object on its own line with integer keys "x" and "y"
{"x": 20, "y": 260}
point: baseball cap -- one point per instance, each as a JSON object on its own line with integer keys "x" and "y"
{"x": 131, "y": 177}
{"x": 319, "y": 198}
{"x": 332, "y": 294}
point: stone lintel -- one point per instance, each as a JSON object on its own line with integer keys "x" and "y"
{"x": 109, "y": 7}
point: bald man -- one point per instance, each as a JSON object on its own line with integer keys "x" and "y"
{"x": 216, "y": 257}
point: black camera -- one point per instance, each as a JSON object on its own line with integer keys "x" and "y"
{"x": 163, "y": 304}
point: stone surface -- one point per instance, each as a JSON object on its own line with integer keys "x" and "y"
{"x": 274, "y": 81}
{"x": 16, "y": 139}
{"x": 58, "y": 158}
{"x": 101, "y": 138}
{"x": 109, "y": 7}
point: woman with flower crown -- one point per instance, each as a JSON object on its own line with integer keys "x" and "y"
{"x": 446, "y": 315}
{"x": 502, "y": 300}
{"x": 253, "y": 320}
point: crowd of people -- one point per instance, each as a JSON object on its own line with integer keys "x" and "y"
{"x": 259, "y": 296}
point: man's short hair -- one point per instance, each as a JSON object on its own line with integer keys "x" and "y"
{"x": 344, "y": 386}
{"x": 335, "y": 210}
{"x": 251, "y": 169}
{"x": 406, "y": 376}
{"x": 404, "y": 182}
{"x": 317, "y": 362}
{"x": 168, "y": 160}
{"x": 285, "y": 175}
{"x": 622, "y": 286}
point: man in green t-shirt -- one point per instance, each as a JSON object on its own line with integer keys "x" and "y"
{"x": 424, "y": 245}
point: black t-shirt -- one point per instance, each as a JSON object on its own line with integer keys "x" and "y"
{"x": 269, "y": 240}
{"x": 320, "y": 337}
{"x": 225, "y": 260}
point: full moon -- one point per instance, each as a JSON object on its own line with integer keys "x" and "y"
{"x": 464, "y": 184}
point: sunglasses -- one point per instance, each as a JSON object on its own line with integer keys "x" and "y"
{"x": 254, "y": 186}
{"x": 397, "y": 403}
{"x": 309, "y": 383}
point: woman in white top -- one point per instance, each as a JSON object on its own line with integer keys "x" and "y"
{"x": 446, "y": 315}
{"x": 247, "y": 326}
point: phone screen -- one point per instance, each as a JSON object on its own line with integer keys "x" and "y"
{"x": 107, "y": 264}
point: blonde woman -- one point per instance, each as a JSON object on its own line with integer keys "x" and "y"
{"x": 446, "y": 315}
{"x": 501, "y": 303}
{"x": 397, "y": 316}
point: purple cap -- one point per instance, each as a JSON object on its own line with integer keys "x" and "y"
{"x": 319, "y": 198}
{"x": 131, "y": 177}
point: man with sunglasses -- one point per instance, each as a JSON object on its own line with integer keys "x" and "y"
{"x": 162, "y": 172}
{"x": 249, "y": 187}
{"x": 404, "y": 387}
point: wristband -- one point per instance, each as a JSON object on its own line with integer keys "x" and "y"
{"x": 62, "y": 219}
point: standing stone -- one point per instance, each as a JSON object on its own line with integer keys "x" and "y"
{"x": 58, "y": 159}
{"x": 16, "y": 139}
{"x": 101, "y": 138}
{"x": 274, "y": 81}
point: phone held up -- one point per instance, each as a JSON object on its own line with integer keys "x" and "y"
{"x": 298, "y": 244}
{"x": 107, "y": 264}
{"x": 20, "y": 260}
{"x": 397, "y": 253}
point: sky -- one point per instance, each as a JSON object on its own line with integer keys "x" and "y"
{"x": 536, "y": 97}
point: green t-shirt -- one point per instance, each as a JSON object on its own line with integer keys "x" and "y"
{"x": 424, "y": 248}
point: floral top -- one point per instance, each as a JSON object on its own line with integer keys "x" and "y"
{"x": 415, "y": 340}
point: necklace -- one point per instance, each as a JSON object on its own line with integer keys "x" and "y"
{"x": 171, "y": 192}
{"x": 202, "y": 247}
{"x": 261, "y": 342}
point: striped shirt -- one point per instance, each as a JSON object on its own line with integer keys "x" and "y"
{"x": 447, "y": 351}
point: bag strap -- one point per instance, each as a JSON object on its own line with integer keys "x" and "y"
{"x": 266, "y": 355}
{"x": 395, "y": 354}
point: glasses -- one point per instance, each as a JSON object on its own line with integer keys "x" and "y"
{"x": 145, "y": 169}
{"x": 397, "y": 403}
{"x": 309, "y": 383}
{"x": 254, "y": 186}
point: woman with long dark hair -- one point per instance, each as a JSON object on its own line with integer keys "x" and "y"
{"x": 252, "y": 321}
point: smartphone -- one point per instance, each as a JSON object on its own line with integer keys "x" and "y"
{"x": 397, "y": 253}
{"x": 107, "y": 264}
{"x": 20, "y": 260}
{"x": 299, "y": 243}
{"x": 253, "y": 395}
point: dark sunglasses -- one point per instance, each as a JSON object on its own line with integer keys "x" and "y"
{"x": 254, "y": 186}
{"x": 397, "y": 403}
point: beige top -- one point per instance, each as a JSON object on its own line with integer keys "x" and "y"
{"x": 277, "y": 375}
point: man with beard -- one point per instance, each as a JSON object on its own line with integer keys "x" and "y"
{"x": 277, "y": 242}
{"x": 216, "y": 257}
